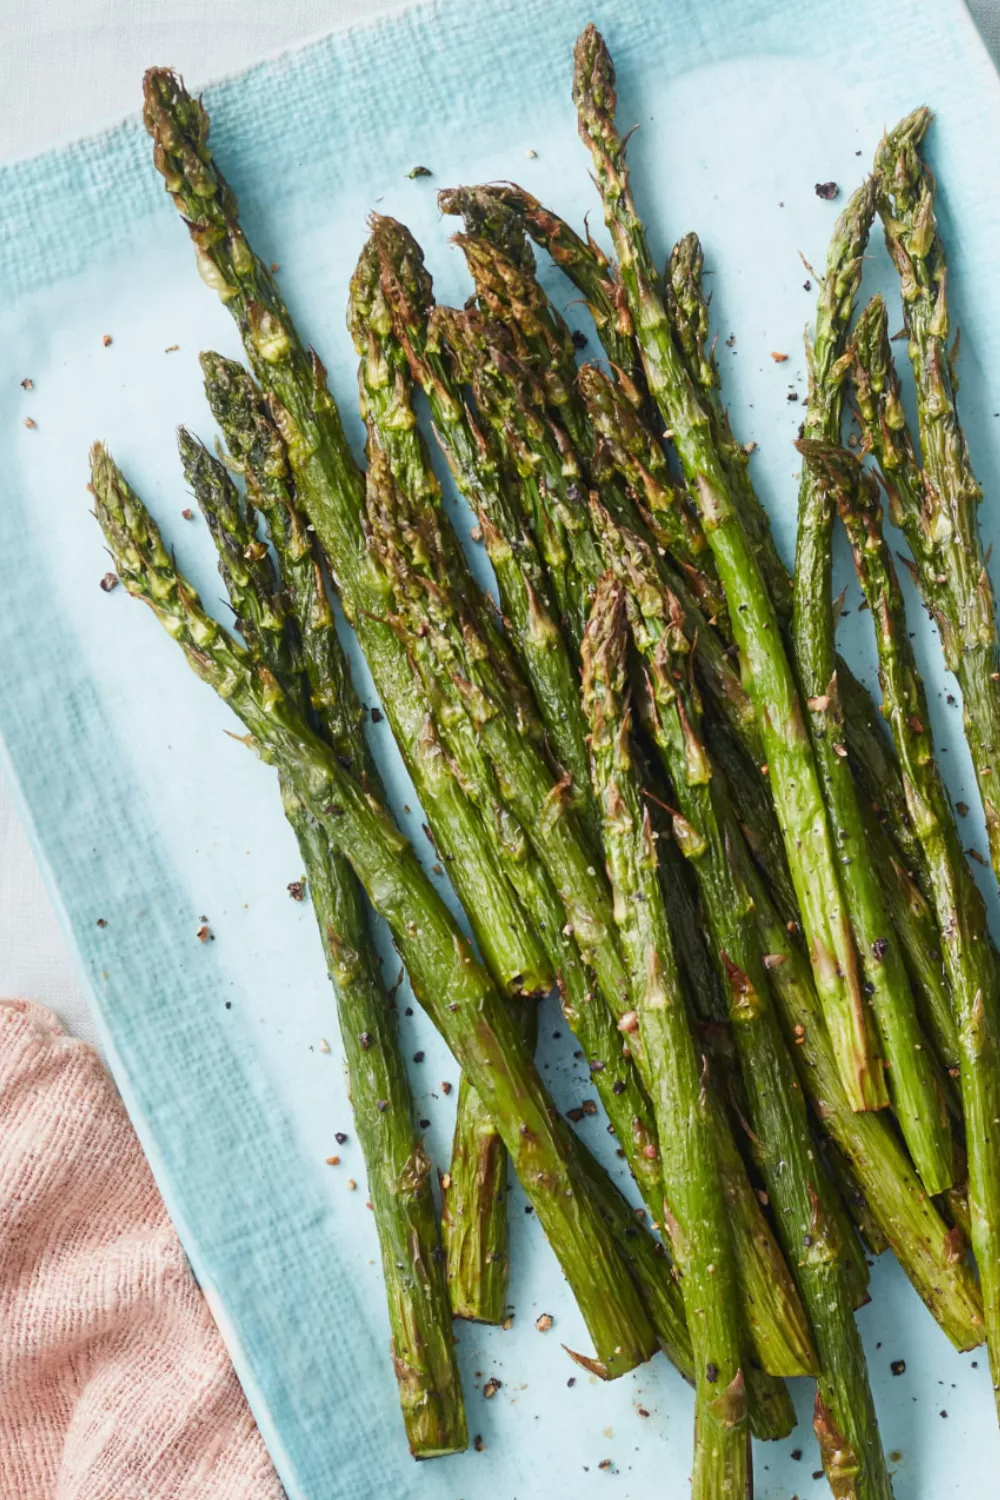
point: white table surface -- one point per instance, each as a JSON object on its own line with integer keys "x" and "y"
{"x": 66, "y": 66}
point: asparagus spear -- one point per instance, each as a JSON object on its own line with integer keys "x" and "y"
{"x": 474, "y": 1213}
{"x": 457, "y": 993}
{"x": 475, "y": 465}
{"x": 330, "y": 488}
{"x": 799, "y": 1190}
{"x": 694, "y": 1204}
{"x": 939, "y": 516}
{"x": 792, "y": 769}
{"x": 971, "y": 966}
{"x": 423, "y": 1351}
{"x": 919, "y": 1107}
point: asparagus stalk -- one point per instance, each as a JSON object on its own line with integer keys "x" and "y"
{"x": 461, "y": 999}
{"x": 694, "y": 1203}
{"x": 971, "y": 965}
{"x": 476, "y": 468}
{"x": 939, "y": 516}
{"x": 799, "y": 1190}
{"x": 792, "y": 769}
{"x": 919, "y": 1107}
{"x": 330, "y": 488}
{"x": 423, "y": 1351}
{"x": 474, "y": 1205}
{"x": 474, "y": 1213}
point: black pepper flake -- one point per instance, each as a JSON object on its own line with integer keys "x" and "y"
{"x": 579, "y": 339}
{"x": 425, "y": 1124}
{"x": 418, "y": 1057}
{"x": 576, "y": 1115}
{"x": 898, "y": 1367}
{"x": 792, "y": 396}
{"x": 962, "y": 808}
{"x": 807, "y": 286}
{"x": 817, "y": 1473}
{"x": 528, "y": 1208}
{"x": 102, "y": 921}
{"x": 229, "y": 1005}
{"x": 419, "y": 172}
{"x": 943, "y": 1414}
{"x": 365, "y": 1040}
{"x": 571, "y": 1381}
{"x": 340, "y": 1138}
{"x": 109, "y": 582}
{"x": 589, "y": 1107}
{"x": 376, "y": 716}
{"x": 796, "y": 1454}
{"x": 828, "y": 191}
{"x": 477, "y": 1442}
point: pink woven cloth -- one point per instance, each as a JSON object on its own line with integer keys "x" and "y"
{"x": 114, "y": 1382}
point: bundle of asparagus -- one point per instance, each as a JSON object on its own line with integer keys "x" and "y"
{"x": 654, "y": 782}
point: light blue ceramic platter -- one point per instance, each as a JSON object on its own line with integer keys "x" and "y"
{"x": 147, "y": 815}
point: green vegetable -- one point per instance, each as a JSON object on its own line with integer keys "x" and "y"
{"x": 694, "y": 1206}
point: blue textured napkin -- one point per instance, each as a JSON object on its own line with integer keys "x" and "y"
{"x": 147, "y": 816}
